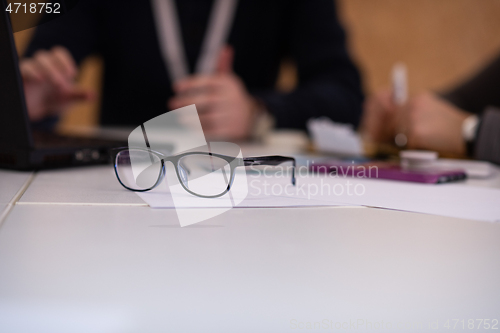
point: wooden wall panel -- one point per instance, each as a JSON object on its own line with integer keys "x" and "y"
{"x": 441, "y": 41}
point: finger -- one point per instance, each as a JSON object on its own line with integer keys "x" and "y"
{"x": 80, "y": 94}
{"x": 211, "y": 134}
{"x": 412, "y": 137}
{"x": 210, "y": 129}
{"x": 386, "y": 102}
{"x": 76, "y": 95}
{"x": 50, "y": 70}
{"x": 30, "y": 72}
{"x": 214, "y": 123}
{"x": 64, "y": 60}
{"x": 197, "y": 83}
{"x": 216, "y": 133}
{"x": 189, "y": 119}
{"x": 212, "y": 117}
{"x": 202, "y": 101}
{"x": 63, "y": 102}
{"x": 225, "y": 61}
{"x": 404, "y": 116}
{"x": 373, "y": 126}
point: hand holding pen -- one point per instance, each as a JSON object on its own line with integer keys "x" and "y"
{"x": 385, "y": 113}
{"x": 425, "y": 121}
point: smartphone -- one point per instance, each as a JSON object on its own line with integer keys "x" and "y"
{"x": 389, "y": 170}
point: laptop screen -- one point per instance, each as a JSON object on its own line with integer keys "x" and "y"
{"x": 14, "y": 122}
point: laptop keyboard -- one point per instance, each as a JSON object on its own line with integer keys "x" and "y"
{"x": 53, "y": 140}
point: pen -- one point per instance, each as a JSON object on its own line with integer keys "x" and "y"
{"x": 400, "y": 97}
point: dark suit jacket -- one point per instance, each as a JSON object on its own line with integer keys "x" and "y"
{"x": 136, "y": 82}
{"x": 481, "y": 95}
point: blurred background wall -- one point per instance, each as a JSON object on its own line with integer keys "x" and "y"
{"x": 441, "y": 41}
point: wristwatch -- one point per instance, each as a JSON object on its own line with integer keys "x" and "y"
{"x": 469, "y": 132}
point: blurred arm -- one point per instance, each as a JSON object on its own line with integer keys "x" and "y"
{"x": 480, "y": 91}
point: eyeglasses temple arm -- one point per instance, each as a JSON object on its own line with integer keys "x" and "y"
{"x": 271, "y": 160}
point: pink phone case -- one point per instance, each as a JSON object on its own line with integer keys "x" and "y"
{"x": 387, "y": 170}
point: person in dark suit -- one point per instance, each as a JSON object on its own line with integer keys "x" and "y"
{"x": 464, "y": 121}
{"x": 137, "y": 86}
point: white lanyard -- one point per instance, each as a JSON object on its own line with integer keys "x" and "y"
{"x": 170, "y": 38}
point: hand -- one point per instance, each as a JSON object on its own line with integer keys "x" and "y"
{"x": 226, "y": 109}
{"x": 49, "y": 83}
{"x": 380, "y": 118}
{"x": 435, "y": 124}
{"x": 428, "y": 122}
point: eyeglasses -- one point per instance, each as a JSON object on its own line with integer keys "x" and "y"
{"x": 203, "y": 174}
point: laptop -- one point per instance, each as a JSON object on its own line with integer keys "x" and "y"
{"x": 20, "y": 148}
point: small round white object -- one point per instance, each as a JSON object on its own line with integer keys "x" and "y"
{"x": 419, "y": 154}
{"x": 401, "y": 140}
{"x": 417, "y": 159}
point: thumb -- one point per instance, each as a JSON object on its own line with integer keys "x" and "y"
{"x": 225, "y": 61}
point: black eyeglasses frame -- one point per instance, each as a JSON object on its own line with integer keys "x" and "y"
{"x": 234, "y": 162}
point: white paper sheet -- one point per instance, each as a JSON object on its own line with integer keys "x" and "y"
{"x": 263, "y": 192}
{"x": 452, "y": 200}
{"x": 332, "y": 137}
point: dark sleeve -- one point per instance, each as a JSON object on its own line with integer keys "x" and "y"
{"x": 76, "y": 30}
{"x": 329, "y": 83}
{"x": 479, "y": 92}
{"x": 487, "y": 145}
{"x": 477, "y": 95}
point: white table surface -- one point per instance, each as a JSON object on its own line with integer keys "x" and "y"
{"x": 11, "y": 182}
{"x": 132, "y": 269}
{"x": 79, "y": 254}
{"x": 95, "y": 185}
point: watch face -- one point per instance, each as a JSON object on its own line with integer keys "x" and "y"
{"x": 469, "y": 128}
